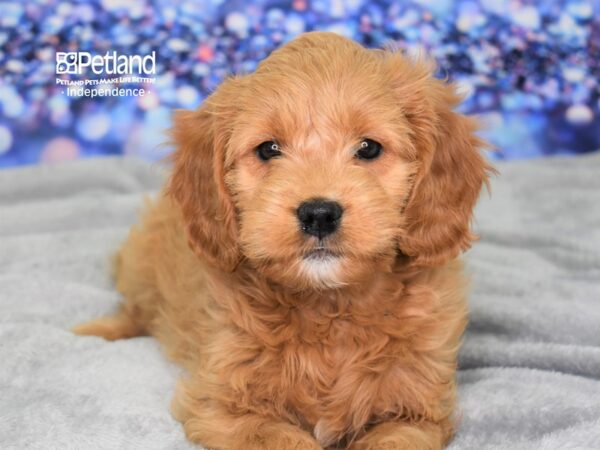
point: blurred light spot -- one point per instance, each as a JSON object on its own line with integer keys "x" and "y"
{"x": 580, "y": 10}
{"x": 59, "y": 107}
{"x": 64, "y": 8}
{"x": 85, "y": 12}
{"x": 11, "y": 101}
{"x": 93, "y": 126}
{"x": 299, "y": 5}
{"x": 469, "y": 20}
{"x": 336, "y": 8}
{"x": 169, "y": 14}
{"x": 465, "y": 88}
{"x": 133, "y": 8}
{"x": 343, "y": 29}
{"x": 237, "y": 23}
{"x": 188, "y": 97}
{"x": 148, "y": 100}
{"x": 37, "y": 94}
{"x": 53, "y": 24}
{"x": 159, "y": 118}
{"x": 408, "y": 19}
{"x": 10, "y": 13}
{"x": 178, "y": 45}
{"x": 201, "y": 70}
{"x": 438, "y": 7}
{"x": 294, "y": 24}
{"x": 6, "y": 139}
{"x": 275, "y": 18}
{"x": 45, "y": 54}
{"x": 15, "y": 66}
{"x": 573, "y": 74}
{"x": 60, "y": 149}
{"x": 527, "y": 17}
{"x": 579, "y": 114}
{"x": 494, "y": 6}
{"x": 205, "y": 53}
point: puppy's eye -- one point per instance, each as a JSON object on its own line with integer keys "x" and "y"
{"x": 268, "y": 150}
{"x": 369, "y": 149}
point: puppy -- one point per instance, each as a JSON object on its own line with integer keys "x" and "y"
{"x": 301, "y": 261}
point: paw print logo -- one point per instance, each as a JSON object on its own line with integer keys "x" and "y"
{"x": 66, "y": 62}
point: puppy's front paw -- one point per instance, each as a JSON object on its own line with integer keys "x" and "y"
{"x": 326, "y": 433}
{"x": 275, "y": 437}
{"x": 402, "y": 436}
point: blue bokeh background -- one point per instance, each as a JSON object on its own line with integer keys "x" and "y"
{"x": 530, "y": 69}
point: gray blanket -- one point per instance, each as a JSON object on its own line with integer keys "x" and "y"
{"x": 529, "y": 368}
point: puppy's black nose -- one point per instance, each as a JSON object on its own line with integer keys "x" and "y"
{"x": 319, "y": 217}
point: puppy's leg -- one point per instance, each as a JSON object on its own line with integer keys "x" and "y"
{"x": 423, "y": 435}
{"x": 136, "y": 283}
{"x": 111, "y": 328}
{"x": 134, "y": 273}
{"x": 207, "y": 422}
{"x": 248, "y": 432}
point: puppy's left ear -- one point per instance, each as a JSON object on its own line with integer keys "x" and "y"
{"x": 198, "y": 185}
{"x": 451, "y": 172}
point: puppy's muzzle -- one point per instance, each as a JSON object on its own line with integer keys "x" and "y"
{"x": 319, "y": 217}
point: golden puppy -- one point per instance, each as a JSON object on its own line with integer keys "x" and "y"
{"x": 301, "y": 262}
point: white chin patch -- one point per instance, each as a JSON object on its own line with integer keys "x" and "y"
{"x": 322, "y": 270}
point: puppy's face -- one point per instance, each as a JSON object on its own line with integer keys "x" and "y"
{"x": 318, "y": 159}
{"x": 320, "y": 170}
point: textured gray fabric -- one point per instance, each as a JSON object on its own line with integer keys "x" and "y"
{"x": 530, "y": 364}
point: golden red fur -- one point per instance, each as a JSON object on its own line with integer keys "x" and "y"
{"x": 356, "y": 350}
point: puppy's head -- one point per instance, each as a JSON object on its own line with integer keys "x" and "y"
{"x": 327, "y": 164}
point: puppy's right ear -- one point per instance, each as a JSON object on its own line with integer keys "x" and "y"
{"x": 198, "y": 185}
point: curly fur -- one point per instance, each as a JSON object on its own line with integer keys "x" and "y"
{"x": 357, "y": 351}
